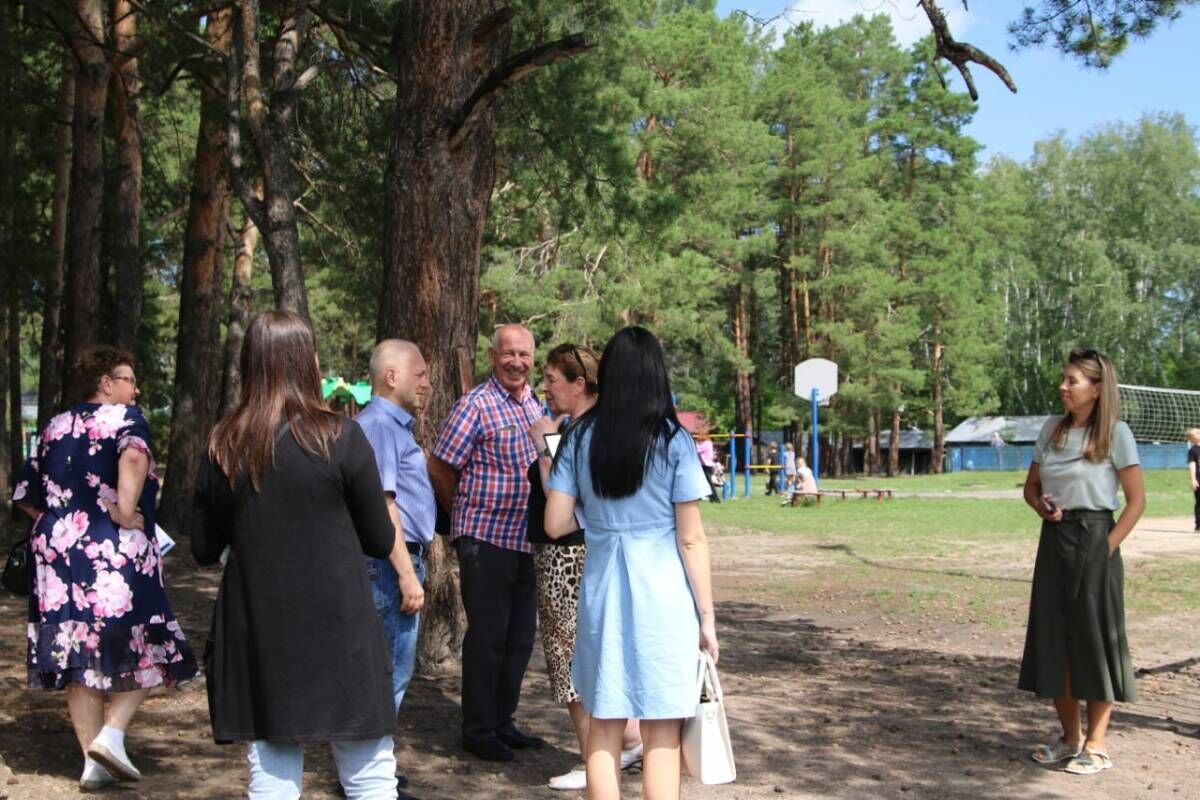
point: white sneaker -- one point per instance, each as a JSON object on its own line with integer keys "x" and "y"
{"x": 573, "y": 781}
{"x": 631, "y": 756}
{"x": 95, "y": 777}
{"x": 111, "y": 756}
{"x": 576, "y": 779}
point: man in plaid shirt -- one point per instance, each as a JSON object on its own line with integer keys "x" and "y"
{"x": 478, "y": 468}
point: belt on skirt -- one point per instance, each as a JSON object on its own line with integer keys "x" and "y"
{"x": 1085, "y": 513}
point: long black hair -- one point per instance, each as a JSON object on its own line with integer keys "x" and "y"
{"x": 634, "y": 419}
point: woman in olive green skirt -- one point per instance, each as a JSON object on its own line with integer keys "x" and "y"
{"x": 1075, "y": 643}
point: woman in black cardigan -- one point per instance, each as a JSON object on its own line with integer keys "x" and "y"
{"x": 296, "y": 652}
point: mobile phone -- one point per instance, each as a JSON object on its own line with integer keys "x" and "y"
{"x": 1048, "y": 505}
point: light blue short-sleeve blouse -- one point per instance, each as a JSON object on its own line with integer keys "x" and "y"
{"x": 638, "y": 634}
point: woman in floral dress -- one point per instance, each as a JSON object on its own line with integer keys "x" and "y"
{"x": 99, "y": 621}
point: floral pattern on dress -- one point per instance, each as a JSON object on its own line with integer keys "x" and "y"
{"x": 98, "y": 612}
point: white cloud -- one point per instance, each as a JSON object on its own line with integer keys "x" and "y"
{"x": 908, "y": 20}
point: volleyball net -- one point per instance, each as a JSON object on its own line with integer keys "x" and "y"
{"x": 1159, "y": 415}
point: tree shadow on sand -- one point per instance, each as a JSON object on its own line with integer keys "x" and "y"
{"x": 844, "y": 718}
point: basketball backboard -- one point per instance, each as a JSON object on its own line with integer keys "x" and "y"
{"x": 817, "y": 373}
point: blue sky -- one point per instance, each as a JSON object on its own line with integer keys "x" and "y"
{"x": 1159, "y": 74}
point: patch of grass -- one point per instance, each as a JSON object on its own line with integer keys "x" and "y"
{"x": 903, "y": 528}
{"x": 1161, "y": 585}
{"x": 953, "y": 559}
{"x": 1168, "y": 492}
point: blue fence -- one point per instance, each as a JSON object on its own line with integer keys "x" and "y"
{"x": 984, "y": 457}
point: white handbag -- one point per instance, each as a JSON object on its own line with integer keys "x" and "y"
{"x": 707, "y": 750}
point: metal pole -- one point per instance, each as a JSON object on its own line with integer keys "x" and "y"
{"x": 732, "y": 466}
{"x": 746, "y": 453}
{"x": 816, "y": 443}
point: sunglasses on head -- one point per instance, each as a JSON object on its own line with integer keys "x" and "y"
{"x": 574, "y": 351}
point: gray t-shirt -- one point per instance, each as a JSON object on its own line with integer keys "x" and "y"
{"x": 1072, "y": 480}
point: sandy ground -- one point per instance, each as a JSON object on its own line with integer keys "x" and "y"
{"x": 823, "y": 704}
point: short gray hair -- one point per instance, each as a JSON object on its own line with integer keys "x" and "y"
{"x": 382, "y": 354}
{"x": 496, "y": 334}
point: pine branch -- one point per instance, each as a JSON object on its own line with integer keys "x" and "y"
{"x": 508, "y": 73}
{"x": 960, "y": 54}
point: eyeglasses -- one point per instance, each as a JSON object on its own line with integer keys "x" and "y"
{"x": 1083, "y": 353}
{"x": 131, "y": 379}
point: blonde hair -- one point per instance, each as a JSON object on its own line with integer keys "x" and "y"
{"x": 1193, "y": 435}
{"x": 1097, "y": 441}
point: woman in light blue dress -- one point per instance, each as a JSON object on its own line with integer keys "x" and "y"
{"x": 645, "y": 607}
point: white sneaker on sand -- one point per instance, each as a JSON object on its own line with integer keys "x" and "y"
{"x": 631, "y": 756}
{"x": 110, "y": 754}
{"x": 573, "y": 781}
{"x": 576, "y": 779}
{"x": 95, "y": 776}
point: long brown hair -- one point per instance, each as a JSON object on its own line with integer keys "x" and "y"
{"x": 1097, "y": 440}
{"x": 280, "y": 381}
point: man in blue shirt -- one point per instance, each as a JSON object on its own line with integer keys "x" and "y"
{"x": 400, "y": 386}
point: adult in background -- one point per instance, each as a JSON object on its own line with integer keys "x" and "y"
{"x": 772, "y": 461}
{"x": 1075, "y": 644}
{"x": 570, "y": 383}
{"x": 297, "y": 653}
{"x": 99, "y": 621}
{"x": 805, "y": 486}
{"x": 704, "y": 448}
{"x": 1193, "y": 457}
{"x": 789, "y": 470}
{"x": 645, "y": 607}
{"x": 478, "y": 469}
{"x": 400, "y": 387}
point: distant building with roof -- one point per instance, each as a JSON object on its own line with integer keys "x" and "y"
{"x": 971, "y": 445}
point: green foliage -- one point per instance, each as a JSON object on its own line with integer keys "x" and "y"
{"x": 1094, "y": 31}
{"x": 687, "y": 175}
{"x": 1103, "y": 248}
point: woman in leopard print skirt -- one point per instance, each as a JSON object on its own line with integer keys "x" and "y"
{"x": 569, "y": 381}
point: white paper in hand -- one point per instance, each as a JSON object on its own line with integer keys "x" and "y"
{"x": 165, "y": 542}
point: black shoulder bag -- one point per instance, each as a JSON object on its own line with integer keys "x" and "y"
{"x": 15, "y": 577}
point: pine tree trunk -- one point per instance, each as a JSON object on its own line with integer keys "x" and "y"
{"x": 81, "y": 320}
{"x": 197, "y": 360}
{"x": 8, "y": 258}
{"x": 272, "y": 126}
{"x": 936, "y": 377}
{"x": 240, "y": 304}
{"x": 6, "y": 473}
{"x": 742, "y": 406}
{"x": 127, "y": 199}
{"x": 50, "y": 373}
{"x": 436, "y": 196}
{"x": 16, "y": 430}
{"x": 894, "y": 451}
{"x": 450, "y": 70}
{"x": 871, "y": 446}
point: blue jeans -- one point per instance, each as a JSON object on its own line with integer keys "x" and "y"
{"x": 366, "y": 768}
{"x": 400, "y": 629}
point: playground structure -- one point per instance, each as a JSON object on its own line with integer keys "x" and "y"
{"x": 728, "y": 490}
